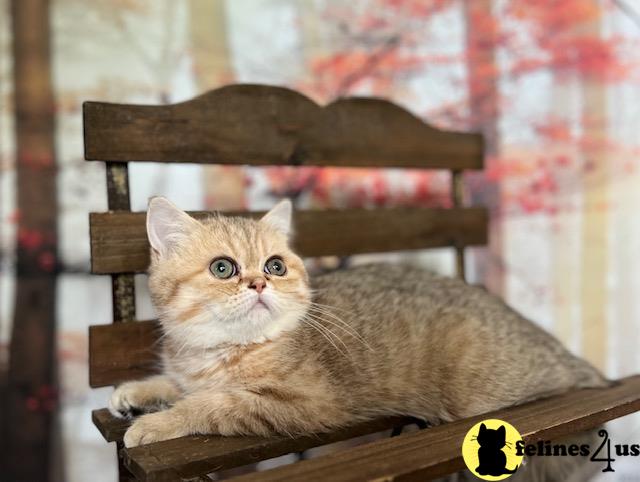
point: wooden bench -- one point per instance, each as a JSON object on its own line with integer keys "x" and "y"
{"x": 263, "y": 125}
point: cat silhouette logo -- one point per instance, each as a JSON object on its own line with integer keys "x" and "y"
{"x": 489, "y": 450}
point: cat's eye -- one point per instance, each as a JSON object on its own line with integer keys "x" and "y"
{"x": 275, "y": 266}
{"x": 223, "y": 268}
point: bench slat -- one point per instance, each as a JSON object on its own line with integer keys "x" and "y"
{"x": 436, "y": 452}
{"x": 111, "y": 428}
{"x": 122, "y": 351}
{"x": 419, "y": 456}
{"x": 196, "y": 455}
{"x": 266, "y": 125}
{"x": 119, "y": 241}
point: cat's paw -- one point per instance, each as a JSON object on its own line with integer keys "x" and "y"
{"x": 154, "y": 427}
{"x": 132, "y": 399}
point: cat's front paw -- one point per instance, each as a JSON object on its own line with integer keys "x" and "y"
{"x": 154, "y": 427}
{"x": 134, "y": 398}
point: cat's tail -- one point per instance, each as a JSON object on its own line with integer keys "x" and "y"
{"x": 507, "y": 471}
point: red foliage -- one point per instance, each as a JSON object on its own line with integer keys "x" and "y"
{"x": 385, "y": 43}
{"x": 417, "y": 8}
{"x": 553, "y": 16}
{"x": 562, "y": 35}
{"x": 555, "y": 130}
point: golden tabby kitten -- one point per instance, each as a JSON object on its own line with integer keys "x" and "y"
{"x": 252, "y": 347}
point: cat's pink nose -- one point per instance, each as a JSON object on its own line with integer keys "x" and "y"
{"x": 258, "y": 284}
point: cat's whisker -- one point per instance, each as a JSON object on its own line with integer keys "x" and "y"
{"x": 327, "y": 309}
{"x": 344, "y": 325}
{"x": 318, "y": 323}
{"x": 346, "y": 328}
{"x": 315, "y": 303}
{"x": 182, "y": 347}
{"x": 320, "y": 312}
{"x": 312, "y": 325}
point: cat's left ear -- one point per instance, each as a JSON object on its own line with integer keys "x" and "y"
{"x": 279, "y": 217}
{"x": 502, "y": 431}
{"x": 167, "y": 225}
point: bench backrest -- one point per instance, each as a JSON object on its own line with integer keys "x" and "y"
{"x": 264, "y": 125}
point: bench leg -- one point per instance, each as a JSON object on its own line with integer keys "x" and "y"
{"x": 123, "y": 473}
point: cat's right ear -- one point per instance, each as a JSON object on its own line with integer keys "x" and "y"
{"x": 167, "y": 225}
{"x": 483, "y": 428}
{"x": 279, "y": 217}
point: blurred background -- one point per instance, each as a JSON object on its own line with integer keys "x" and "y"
{"x": 553, "y": 84}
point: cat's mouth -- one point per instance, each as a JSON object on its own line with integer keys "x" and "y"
{"x": 260, "y": 305}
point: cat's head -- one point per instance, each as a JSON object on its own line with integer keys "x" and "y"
{"x": 224, "y": 280}
{"x": 492, "y": 438}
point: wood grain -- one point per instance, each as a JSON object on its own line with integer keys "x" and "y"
{"x": 119, "y": 240}
{"x": 122, "y": 351}
{"x": 266, "y": 125}
{"x": 123, "y": 290}
{"x": 197, "y": 455}
{"x": 111, "y": 428}
{"x": 436, "y": 452}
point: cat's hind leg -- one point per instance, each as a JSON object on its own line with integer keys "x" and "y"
{"x": 131, "y": 399}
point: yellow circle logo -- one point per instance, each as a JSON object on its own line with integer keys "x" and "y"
{"x": 489, "y": 450}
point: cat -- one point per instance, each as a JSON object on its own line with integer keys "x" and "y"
{"x": 251, "y": 345}
{"x": 493, "y": 461}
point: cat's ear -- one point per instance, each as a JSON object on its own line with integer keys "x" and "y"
{"x": 502, "y": 431}
{"x": 483, "y": 428}
{"x": 167, "y": 225}
{"x": 279, "y": 217}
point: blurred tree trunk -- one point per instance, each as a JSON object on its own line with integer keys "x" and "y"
{"x": 482, "y": 84}
{"x": 224, "y": 186}
{"x": 595, "y": 216}
{"x": 30, "y": 397}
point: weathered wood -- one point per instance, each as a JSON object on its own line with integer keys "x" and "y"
{"x": 436, "y": 451}
{"x": 118, "y": 198}
{"x": 123, "y": 473}
{"x": 122, "y": 351}
{"x": 123, "y": 294}
{"x": 111, "y": 428}
{"x": 123, "y": 297}
{"x": 188, "y": 457}
{"x": 265, "y": 125}
{"x": 122, "y": 285}
{"x": 457, "y": 196}
{"x": 119, "y": 241}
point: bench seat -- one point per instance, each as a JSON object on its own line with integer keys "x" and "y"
{"x": 422, "y": 455}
